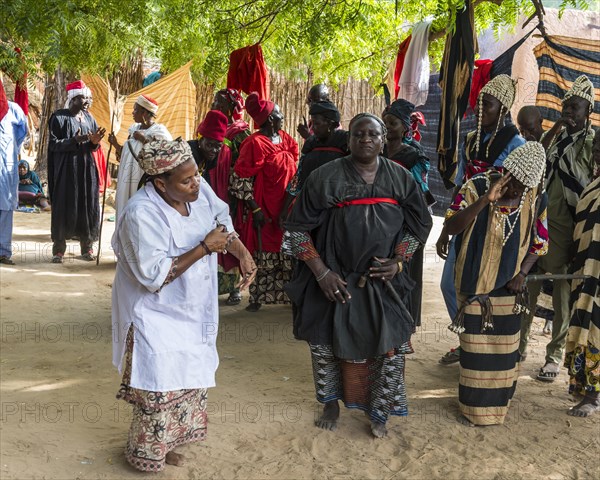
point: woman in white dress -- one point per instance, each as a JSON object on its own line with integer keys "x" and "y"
{"x": 141, "y": 132}
{"x": 165, "y": 305}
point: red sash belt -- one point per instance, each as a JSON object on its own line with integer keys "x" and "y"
{"x": 328, "y": 149}
{"x": 368, "y": 201}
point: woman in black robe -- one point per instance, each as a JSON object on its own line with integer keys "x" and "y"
{"x": 327, "y": 142}
{"x": 356, "y": 222}
{"x": 404, "y": 150}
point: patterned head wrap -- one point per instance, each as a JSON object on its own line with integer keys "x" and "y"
{"x": 234, "y": 98}
{"x": 527, "y": 163}
{"x": 160, "y": 156}
{"x": 504, "y": 89}
{"x": 582, "y": 87}
{"x": 148, "y": 103}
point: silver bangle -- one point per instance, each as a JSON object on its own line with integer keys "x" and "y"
{"x": 323, "y": 275}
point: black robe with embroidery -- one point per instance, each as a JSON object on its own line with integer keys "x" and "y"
{"x": 347, "y": 239}
{"x": 72, "y": 178}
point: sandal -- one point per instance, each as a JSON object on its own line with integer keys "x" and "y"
{"x": 546, "y": 375}
{"x": 58, "y": 258}
{"x": 451, "y": 357}
{"x": 523, "y": 356}
{"x": 234, "y": 298}
{"x": 88, "y": 256}
{"x": 253, "y": 307}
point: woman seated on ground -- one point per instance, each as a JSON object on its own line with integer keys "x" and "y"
{"x": 31, "y": 191}
{"x": 500, "y": 227}
{"x": 165, "y": 309}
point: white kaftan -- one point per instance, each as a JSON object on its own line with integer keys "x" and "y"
{"x": 175, "y": 328}
{"x": 130, "y": 172}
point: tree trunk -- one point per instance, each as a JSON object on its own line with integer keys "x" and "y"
{"x": 54, "y": 98}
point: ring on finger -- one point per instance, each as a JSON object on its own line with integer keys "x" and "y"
{"x": 336, "y": 292}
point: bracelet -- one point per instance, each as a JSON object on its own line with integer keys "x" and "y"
{"x": 205, "y": 247}
{"x": 323, "y": 275}
{"x": 257, "y": 210}
{"x": 521, "y": 272}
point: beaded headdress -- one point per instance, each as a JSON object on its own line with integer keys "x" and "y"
{"x": 504, "y": 89}
{"x": 582, "y": 87}
{"x": 527, "y": 163}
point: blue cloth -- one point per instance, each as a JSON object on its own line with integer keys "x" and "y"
{"x": 151, "y": 78}
{"x": 515, "y": 142}
{"x": 35, "y": 186}
{"x": 447, "y": 282}
{"x": 13, "y": 130}
{"x": 6, "y": 228}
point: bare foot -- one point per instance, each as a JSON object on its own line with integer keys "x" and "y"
{"x": 378, "y": 430}
{"x": 176, "y": 459}
{"x": 331, "y": 413}
{"x": 588, "y": 406}
{"x": 547, "y": 328}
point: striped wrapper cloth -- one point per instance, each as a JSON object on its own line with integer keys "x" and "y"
{"x": 560, "y": 61}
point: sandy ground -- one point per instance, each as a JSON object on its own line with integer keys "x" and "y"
{"x": 60, "y": 418}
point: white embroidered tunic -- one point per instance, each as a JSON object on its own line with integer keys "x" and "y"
{"x": 175, "y": 328}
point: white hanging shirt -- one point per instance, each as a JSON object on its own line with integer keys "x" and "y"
{"x": 414, "y": 79}
{"x": 175, "y": 329}
{"x": 130, "y": 172}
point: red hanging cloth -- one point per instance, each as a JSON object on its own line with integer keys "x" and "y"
{"x": 481, "y": 76}
{"x": 248, "y": 71}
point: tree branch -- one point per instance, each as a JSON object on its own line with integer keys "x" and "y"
{"x": 442, "y": 33}
{"x": 268, "y": 25}
{"x": 351, "y": 62}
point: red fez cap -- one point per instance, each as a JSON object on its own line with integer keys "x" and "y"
{"x": 78, "y": 85}
{"x": 213, "y": 126}
{"x": 258, "y": 109}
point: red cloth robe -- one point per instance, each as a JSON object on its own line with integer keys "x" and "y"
{"x": 272, "y": 167}
{"x": 219, "y": 180}
{"x": 100, "y": 160}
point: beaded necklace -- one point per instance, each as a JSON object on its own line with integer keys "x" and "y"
{"x": 503, "y": 219}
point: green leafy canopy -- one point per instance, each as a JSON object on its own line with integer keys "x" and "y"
{"x": 331, "y": 39}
